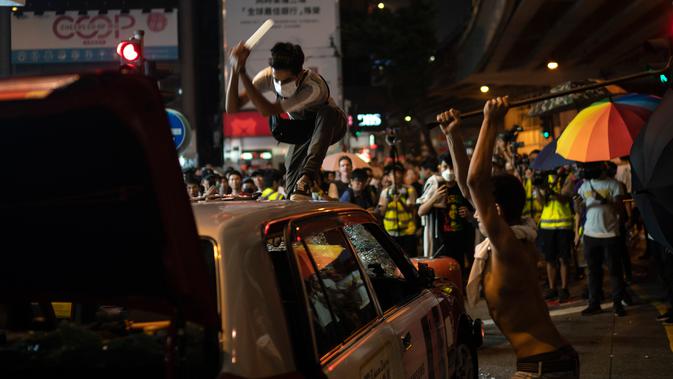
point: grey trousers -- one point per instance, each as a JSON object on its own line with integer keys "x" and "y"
{"x": 306, "y": 158}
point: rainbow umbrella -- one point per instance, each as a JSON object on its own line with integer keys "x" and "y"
{"x": 606, "y": 129}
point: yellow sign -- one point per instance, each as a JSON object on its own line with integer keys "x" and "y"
{"x": 62, "y": 310}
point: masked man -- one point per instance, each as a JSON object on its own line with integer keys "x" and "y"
{"x": 303, "y": 95}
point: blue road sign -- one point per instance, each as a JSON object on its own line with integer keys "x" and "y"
{"x": 180, "y": 128}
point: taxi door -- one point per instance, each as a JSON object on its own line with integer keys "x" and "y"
{"x": 409, "y": 309}
{"x": 350, "y": 335}
{"x": 421, "y": 333}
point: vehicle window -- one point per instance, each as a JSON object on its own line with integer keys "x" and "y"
{"x": 389, "y": 283}
{"x": 54, "y": 338}
{"x": 340, "y": 301}
{"x": 290, "y": 280}
{"x": 325, "y": 328}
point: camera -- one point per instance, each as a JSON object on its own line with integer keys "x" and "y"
{"x": 522, "y": 160}
{"x": 510, "y": 135}
{"x": 391, "y": 137}
{"x": 540, "y": 179}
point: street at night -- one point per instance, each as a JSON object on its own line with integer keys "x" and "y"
{"x": 336, "y": 189}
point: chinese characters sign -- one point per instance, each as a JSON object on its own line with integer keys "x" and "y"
{"x": 309, "y": 23}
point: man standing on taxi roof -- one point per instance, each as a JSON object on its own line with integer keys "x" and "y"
{"x": 302, "y": 94}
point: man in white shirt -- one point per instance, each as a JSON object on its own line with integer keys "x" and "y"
{"x": 600, "y": 195}
{"x": 302, "y": 94}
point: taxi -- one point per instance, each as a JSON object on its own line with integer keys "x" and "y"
{"x": 108, "y": 270}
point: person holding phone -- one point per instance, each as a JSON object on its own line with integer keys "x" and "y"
{"x": 452, "y": 214}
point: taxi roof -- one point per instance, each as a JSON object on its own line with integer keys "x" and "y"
{"x": 213, "y": 216}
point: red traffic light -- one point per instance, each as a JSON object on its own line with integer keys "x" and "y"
{"x": 129, "y": 51}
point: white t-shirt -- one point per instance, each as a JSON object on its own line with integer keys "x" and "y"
{"x": 602, "y": 220}
{"x": 624, "y": 175}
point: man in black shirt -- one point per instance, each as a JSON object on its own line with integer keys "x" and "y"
{"x": 452, "y": 212}
{"x": 339, "y": 186}
{"x": 357, "y": 193}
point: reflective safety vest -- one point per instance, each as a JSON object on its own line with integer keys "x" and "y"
{"x": 556, "y": 214}
{"x": 532, "y": 208}
{"x": 396, "y": 220}
{"x": 270, "y": 194}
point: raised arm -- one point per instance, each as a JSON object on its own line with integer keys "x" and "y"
{"x": 235, "y": 100}
{"x": 240, "y": 54}
{"x": 449, "y": 122}
{"x": 479, "y": 175}
{"x": 264, "y": 106}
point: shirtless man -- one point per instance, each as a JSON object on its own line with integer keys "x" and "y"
{"x": 509, "y": 275}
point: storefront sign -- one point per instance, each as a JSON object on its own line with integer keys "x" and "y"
{"x": 246, "y": 124}
{"x": 75, "y": 38}
{"x": 369, "y": 119}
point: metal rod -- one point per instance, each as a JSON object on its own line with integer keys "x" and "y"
{"x": 519, "y": 103}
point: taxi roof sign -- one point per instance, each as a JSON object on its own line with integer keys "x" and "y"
{"x": 33, "y": 88}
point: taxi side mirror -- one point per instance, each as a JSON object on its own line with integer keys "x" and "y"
{"x": 426, "y": 275}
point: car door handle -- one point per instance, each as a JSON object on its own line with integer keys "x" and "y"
{"x": 406, "y": 341}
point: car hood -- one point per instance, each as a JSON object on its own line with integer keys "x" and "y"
{"x": 93, "y": 201}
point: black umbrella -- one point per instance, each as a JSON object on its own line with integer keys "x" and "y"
{"x": 652, "y": 172}
{"x": 548, "y": 159}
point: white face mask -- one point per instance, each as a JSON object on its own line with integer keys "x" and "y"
{"x": 285, "y": 89}
{"x": 448, "y": 175}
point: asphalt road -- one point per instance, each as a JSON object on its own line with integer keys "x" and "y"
{"x": 635, "y": 346}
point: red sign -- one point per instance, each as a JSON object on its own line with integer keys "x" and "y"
{"x": 246, "y": 124}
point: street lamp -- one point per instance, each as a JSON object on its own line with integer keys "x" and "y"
{"x": 381, "y": 6}
{"x": 484, "y": 89}
{"x": 552, "y": 65}
{"x": 407, "y": 118}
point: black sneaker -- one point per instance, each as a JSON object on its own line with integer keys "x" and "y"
{"x": 619, "y": 310}
{"x": 302, "y": 190}
{"x": 563, "y": 295}
{"x": 551, "y": 294}
{"x": 666, "y": 315}
{"x": 592, "y": 310}
{"x": 627, "y": 299}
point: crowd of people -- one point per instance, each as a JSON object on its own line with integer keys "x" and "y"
{"x": 491, "y": 212}
{"x": 583, "y": 213}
